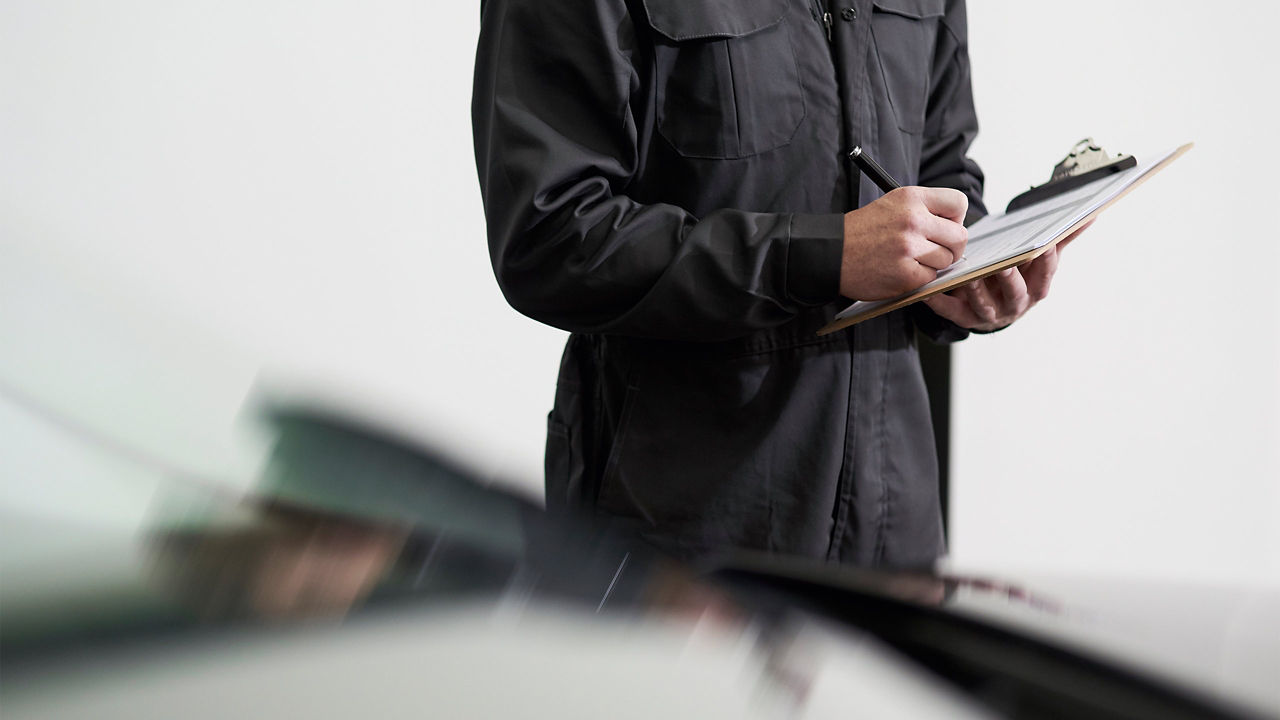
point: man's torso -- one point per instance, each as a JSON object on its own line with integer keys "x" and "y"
{"x": 779, "y": 441}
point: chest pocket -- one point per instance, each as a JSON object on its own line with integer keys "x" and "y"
{"x": 728, "y": 85}
{"x": 904, "y": 33}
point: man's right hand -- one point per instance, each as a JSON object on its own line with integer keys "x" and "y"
{"x": 901, "y": 241}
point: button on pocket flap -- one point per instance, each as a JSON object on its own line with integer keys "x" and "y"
{"x": 917, "y": 9}
{"x": 696, "y": 19}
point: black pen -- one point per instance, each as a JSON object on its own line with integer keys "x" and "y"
{"x": 882, "y": 179}
{"x": 872, "y": 169}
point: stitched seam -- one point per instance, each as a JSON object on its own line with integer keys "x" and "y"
{"x": 946, "y": 105}
{"x": 903, "y": 12}
{"x": 883, "y": 513}
{"x": 800, "y": 80}
{"x": 610, "y": 476}
{"x": 947, "y": 26}
{"x": 786, "y": 261}
{"x": 733, "y": 92}
{"x": 898, "y": 114}
{"x": 844, "y": 481}
{"x": 786, "y": 345}
{"x": 676, "y": 37}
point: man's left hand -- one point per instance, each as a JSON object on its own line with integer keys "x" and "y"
{"x": 996, "y": 301}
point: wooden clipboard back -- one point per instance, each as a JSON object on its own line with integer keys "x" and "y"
{"x": 987, "y": 270}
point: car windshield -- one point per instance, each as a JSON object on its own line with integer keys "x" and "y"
{"x": 309, "y": 549}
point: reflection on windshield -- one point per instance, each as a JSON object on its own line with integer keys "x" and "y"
{"x": 354, "y": 530}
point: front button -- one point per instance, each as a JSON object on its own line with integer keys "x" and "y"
{"x": 848, "y": 14}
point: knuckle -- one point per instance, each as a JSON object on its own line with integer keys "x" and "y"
{"x": 915, "y": 220}
{"x": 904, "y": 245}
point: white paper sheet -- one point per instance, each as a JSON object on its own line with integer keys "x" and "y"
{"x": 1000, "y": 237}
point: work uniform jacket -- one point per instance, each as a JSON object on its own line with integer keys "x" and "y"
{"x": 666, "y": 180}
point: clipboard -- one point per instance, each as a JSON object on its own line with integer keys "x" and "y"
{"x": 1001, "y": 241}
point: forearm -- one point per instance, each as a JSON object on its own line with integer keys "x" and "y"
{"x": 610, "y": 265}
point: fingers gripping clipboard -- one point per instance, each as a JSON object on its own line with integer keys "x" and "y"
{"x": 998, "y": 242}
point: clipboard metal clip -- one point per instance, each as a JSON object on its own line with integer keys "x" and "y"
{"x": 1086, "y": 163}
{"x": 1086, "y": 156}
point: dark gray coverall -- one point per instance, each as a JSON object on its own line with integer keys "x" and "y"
{"x": 666, "y": 180}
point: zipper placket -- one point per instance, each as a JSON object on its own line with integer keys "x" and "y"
{"x": 841, "y": 513}
{"x": 823, "y": 15}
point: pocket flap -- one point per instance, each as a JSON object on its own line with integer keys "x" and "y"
{"x": 695, "y": 19}
{"x": 917, "y": 9}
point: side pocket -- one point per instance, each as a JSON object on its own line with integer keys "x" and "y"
{"x": 558, "y": 464}
{"x": 612, "y": 498}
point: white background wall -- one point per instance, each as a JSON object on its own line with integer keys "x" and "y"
{"x": 198, "y": 199}
{"x": 1131, "y": 424}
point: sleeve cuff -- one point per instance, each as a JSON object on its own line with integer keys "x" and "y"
{"x": 815, "y": 251}
{"x": 938, "y": 329}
